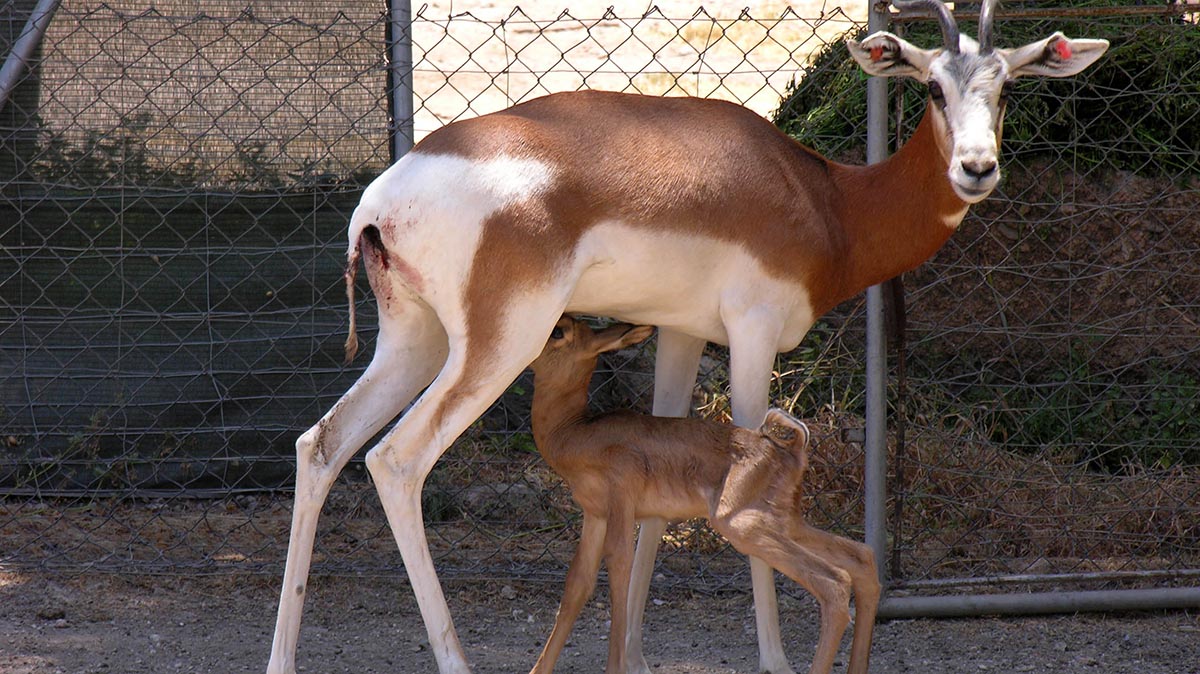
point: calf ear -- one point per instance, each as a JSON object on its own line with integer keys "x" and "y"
{"x": 1055, "y": 56}
{"x": 619, "y": 336}
{"x": 886, "y": 55}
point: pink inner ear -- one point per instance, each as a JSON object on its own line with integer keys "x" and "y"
{"x": 1063, "y": 49}
{"x": 876, "y": 53}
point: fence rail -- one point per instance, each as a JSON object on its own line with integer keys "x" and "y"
{"x": 174, "y": 188}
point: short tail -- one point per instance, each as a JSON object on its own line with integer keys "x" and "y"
{"x": 785, "y": 430}
{"x": 351, "y": 272}
{"x": 789, "y": 434}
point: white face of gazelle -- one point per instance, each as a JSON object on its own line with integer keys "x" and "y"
{"x": 968, "y": 90}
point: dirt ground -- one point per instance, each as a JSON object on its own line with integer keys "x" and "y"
{"x": 102, "y": 624}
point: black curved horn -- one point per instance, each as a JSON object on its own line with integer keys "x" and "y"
{"x": 945, "y": 19}
{"x": 987, "y": 14}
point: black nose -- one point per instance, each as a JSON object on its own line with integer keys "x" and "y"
{"x": 979, "y": 170}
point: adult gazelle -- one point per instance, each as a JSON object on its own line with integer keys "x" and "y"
{"x": 693, "y": 215}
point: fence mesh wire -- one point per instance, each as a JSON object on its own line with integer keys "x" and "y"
{"x": 174, "y": 188}
{"x": 1054, "y": 339}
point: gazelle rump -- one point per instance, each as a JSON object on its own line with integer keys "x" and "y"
{"x": 693, "y": 215}
{"x": 621, "y": 466}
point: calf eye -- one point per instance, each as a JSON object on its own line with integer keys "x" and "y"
{"x": 556, "y": 333}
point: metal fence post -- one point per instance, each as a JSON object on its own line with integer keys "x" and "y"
{"x": 875, "y": 498}
{"x": 400, "y": 77}
{"x": 22, "y": 50}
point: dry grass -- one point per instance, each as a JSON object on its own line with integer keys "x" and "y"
{"x": 971, "y": 508}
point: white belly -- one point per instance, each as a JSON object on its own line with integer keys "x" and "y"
{"x": 691, "y": 284}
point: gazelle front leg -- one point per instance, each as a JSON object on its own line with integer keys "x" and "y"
{"x": 411, "y": 346}
{"x": 754, "y": 339}
{"x": 677, "y": 360}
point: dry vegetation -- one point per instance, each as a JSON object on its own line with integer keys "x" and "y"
{"x": 971, "y": 508}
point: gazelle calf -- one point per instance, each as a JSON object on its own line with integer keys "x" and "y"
{"x": 624, "y": 466}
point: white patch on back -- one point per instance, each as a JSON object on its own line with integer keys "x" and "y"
{"x": 430, "y": 210}
{"x": 512, "y": 179}
{"x": 449, "y": 183}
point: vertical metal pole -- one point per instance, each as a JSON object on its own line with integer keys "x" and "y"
{"x": 400, "y": 77}
{"x": 22, "y": 50}
{"x": 876, "y": 435}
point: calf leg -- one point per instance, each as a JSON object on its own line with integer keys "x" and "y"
{"x": 827, "y": 566}
{"x": 619, "y": 551}
{"x": 581, "y": 581}
{"x": 858, "y": 560}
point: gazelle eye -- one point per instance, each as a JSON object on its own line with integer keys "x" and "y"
{"x": 556, "y": 333}
{"x": 935, "y": 92}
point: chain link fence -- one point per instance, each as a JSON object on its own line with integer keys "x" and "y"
{"x": 174, "y": 190}
{"x": 1054, "y": 399}
{"x": 175, "y": 193}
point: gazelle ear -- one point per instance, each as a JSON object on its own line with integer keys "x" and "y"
{"x": 886, "y": 55}
{"x": 619, "y": 336}
{"x": 1056, "y": 56}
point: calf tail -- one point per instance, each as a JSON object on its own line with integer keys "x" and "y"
{"x": 791, "y": 435}
{"x": 784, "y": 430}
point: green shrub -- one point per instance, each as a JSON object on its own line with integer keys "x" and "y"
{"x": 1137, "y": 109}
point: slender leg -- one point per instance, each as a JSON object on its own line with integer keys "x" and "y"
{"x": 831, "y": 587}
{"x": 815, "y": 560}
{"x": 754, "y": 337}
{"x": 650, "y": 533}
{"x": 411, "y": 347}
{"x": 476, "y": 372}
{"x": 675, "y": 366}
{"x": 581, "y": 581}
{"x": 619, "y": 546}
{"x": 771, "y": 657}
{"x": 676, "y": 363}
{"x": 858, "y": 560}
{"x": 830, "y": 566}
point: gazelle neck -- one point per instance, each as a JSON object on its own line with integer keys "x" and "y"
{"x": 899, "y": 212}
{"x": 556, "y": 405}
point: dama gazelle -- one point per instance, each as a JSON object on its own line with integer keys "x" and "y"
{"x": 694, "y": 215}
{"x": 621, "y": 466}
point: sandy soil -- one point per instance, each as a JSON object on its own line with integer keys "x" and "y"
{"x": 101, "y": 624}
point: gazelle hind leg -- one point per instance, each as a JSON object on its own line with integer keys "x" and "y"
{"x": 677, "y": 360}
{"x": 476, "y": 372}
{"x": 410, "y": 348}
{"x": 649, "y": 537}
